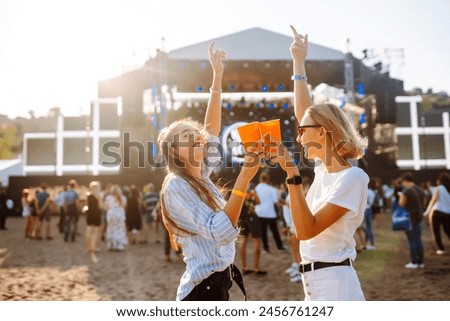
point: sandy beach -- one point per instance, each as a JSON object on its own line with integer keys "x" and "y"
{"x": 50, "y": 270}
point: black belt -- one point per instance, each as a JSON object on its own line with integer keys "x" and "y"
{"x": 320, "y": 265}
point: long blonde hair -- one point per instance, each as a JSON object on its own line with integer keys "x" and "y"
{"x": 176, "y": 166}
{"x": 340, "y": 128}
{"x": 116, "y": 191}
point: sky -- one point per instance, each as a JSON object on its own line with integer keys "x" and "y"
{"x": 54, "y": 52}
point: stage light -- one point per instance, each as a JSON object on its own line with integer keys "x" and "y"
{"x": 200, "y": 88}
{"x": 229, "y": 106}
{"x": 232, "y": 87}
{"x": 272, "y": 106}
{"x": 280, "y": 87}
{"x": 264, "y": 88}
{"x": 285, "y": 105}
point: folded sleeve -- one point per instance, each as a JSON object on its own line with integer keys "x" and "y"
{"x": 191, "y": 214}
{"x": 348, "y": 191}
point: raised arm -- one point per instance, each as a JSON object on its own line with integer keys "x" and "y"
{"x": 213, "y": 117}
{"x": 299, "y": 50}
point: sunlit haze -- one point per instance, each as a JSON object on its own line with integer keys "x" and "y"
{"x": 53, "y": 53}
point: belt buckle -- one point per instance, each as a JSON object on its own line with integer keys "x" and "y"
{"x": 301, "y": 268}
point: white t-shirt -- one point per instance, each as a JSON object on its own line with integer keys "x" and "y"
{"x": 268, "y": 196}
{"x": 348, "y": 189}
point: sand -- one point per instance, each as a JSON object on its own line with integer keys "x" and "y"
{"x": 49, "y": 270}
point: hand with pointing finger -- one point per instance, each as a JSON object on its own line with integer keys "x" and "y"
{"x": 216, "y": 58}
{"x": 299, "y": 46}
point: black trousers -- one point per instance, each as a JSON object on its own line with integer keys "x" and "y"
{"x": 272, "y": 223}
{"x": 440, "y": 219}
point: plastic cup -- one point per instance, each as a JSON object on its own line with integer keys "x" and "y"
{"x": 270, "y": 131}
{"x": 249, "y": 134}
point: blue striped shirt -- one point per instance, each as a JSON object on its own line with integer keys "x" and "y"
{"x": 211, "y": 248}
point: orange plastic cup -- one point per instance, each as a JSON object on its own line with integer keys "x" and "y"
{"x": 270, "y": 131}
{"x": 249, "y": 134}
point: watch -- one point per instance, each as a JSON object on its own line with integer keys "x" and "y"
{"x": 295, "y": 180}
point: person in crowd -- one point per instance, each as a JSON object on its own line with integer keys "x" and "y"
{"x": 151, "y": 198}
{"x": 116, "y": 231}
{"x": 295, "y": 250}
{"x": 167, "y": 248}
{"x": 439, "y": 211}
{"x": 372, "y": 193}
{"x": 93, "y": 216}
{"x": 71, "y": 211}
{"x": 412, "y": 199}
{"x": 133, "y": 214}
{"x": 42, "y": 206}
{"x": 105, "y": 194}
{"x": 59, "y": 200}
{"x": 249, "y": 225}
{"x": 429, "y": 189}
{"x": 269, "y": 196}
{"x": 26, "y": 201}
{"x": 388, "y": 191}
{"x": 199, "y": 221}
{"x": 326, "y": 219}
{"x": 378, "y": 203}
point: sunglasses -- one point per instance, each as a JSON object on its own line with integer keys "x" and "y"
{"x": 301, "y": 129}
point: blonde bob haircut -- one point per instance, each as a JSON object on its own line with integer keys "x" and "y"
{"x": 340, "y": 128}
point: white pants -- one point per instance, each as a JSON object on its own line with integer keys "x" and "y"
{"x": 337, "y": 283}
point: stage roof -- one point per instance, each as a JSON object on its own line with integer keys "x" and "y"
{"x": 254, "y": 44}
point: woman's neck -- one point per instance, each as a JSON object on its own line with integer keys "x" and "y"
{"x": 195, "y": 171}
{"x": 335, "y": 162}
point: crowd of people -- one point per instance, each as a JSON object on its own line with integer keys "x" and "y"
{"x": 117, "y": 215}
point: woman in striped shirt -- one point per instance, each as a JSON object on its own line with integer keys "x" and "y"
{"x": 199, "y": 221}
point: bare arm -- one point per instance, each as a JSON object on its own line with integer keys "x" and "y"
{"x": 299, "y": 50}
{"x": 250, "y": 168}
{"x": 433, "y": 201}
{"x": 213, "y": 117}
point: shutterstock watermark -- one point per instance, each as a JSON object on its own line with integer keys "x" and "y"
{"x": 214, "y": 153}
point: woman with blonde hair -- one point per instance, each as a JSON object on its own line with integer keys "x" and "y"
{"x": 93, "y": 216}
{"x": 199, "y": 221}
{"x": 327, "y": 218}
{"x": 116, "y": 232}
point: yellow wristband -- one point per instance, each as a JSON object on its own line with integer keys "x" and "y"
{"x": 238, "y": 193}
